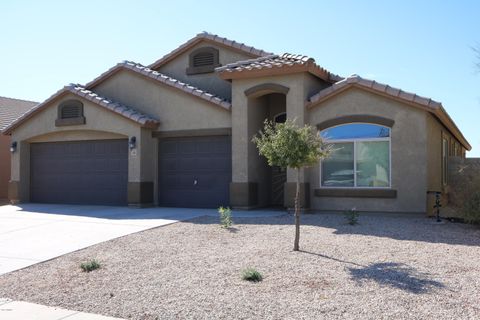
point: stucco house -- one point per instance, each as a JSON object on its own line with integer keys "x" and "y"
{"x": 10, "y": 109}
{"x": 178, "y": 133}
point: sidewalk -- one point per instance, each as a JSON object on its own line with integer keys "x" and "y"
{"x": 18, "y": 310}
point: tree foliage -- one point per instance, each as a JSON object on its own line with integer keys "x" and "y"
{"x": 288, "y": 145}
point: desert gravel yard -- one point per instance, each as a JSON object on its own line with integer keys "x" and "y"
{"x": 387, "y": 267}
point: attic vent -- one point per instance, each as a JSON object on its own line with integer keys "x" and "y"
{"x": 203, "y": 60}
{"x": 70, "y": 113}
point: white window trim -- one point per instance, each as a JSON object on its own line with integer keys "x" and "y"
{"x": 354, "y": 140}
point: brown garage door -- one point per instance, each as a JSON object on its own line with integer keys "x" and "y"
{"x": 83, "y": 172}
{"x": 195, "y": 172}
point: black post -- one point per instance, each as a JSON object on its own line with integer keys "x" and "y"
{"x": 438, "y": 205}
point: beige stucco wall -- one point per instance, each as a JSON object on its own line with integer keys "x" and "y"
{"x": 100, "y": 124}
{"x": 4, "y": 165}
{"x": 207, "y": 81}
{"x": 248, "y": 115}
{"x": 436, "y": 131}
{"x": 408, "y": 151}
{"x": 244, "y": 111}
{"x": 301, "y": 86}
{"x": 76, "y": 135}
{"x": 175, "y": 109}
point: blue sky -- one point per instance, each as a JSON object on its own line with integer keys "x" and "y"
{"x": 419, "y": 46}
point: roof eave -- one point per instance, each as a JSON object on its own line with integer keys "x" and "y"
{"x": 225, "y": 43}
{"x": 264, "y": 72}
{"x": 452, "y": 127}
{"x": 434, "y": 108}
{"x": 63, "y": 92}
{"x": 122, "y": 66}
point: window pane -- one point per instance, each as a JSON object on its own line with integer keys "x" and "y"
{"x": 337, "y": 169}
{"x": 356, "y": 130}
{"x": 373, "y": 164}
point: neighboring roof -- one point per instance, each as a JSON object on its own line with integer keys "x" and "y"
{"x": 430, "y": 105}
{"x": 162, "y": 78}
{"x": 118, "y": 108}
{"x": 214, "y": 39}
{"x": 11, "y": 109}
{"x": 276, "y": 64}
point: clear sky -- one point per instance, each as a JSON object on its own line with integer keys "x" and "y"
{"x": 419, "y": 46}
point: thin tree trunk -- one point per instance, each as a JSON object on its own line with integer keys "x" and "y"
{"x": 296, "y": 246}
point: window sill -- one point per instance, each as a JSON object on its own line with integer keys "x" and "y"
{"x": 355, "y": 193}
{"x": 69, "y": 122}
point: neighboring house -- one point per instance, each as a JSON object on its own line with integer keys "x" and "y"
{"x": 178, "y": 133}
{"x": 10, "y": 109}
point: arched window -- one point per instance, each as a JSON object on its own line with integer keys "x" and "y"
{"x": 280, "y": 118}
{"x": 70, "y": 112}
{"x": 360, "y": 156}
{"x": 203, "y": 60}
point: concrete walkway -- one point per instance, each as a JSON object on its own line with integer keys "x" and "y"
{"x": 32, "y": 233}
{"x": 19, "y": 310}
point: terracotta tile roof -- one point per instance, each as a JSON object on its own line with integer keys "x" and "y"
{"x": 277, "y": 63}
{"x": 11, "y": 109}
{"x": 428, "y": 104}
{"x": 118, "y": 108}
{"x": 379, "y": 87}
{"x": 213, "y": 38}
{"x": 164, "y": 79}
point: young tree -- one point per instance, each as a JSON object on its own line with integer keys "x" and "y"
{"x": 287, "y": 145}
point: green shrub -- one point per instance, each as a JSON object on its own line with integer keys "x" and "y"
{"x": 225, "y": 217}
{"x": 250, "y": 274}
{"x": 471, "y": 208}
{"x": 351, "y": 216}
{"x": 90, "y": 265}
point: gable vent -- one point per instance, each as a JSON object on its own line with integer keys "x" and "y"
{"x": 203, "y": 59}
{"x": 71, "y": 111}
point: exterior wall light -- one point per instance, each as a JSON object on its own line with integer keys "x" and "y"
{"x": 13, "y": 147}
{"x": 132, "y": 143}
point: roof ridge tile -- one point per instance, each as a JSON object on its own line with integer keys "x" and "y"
{"x": 286, "y": 60}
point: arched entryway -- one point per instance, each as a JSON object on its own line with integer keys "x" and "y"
{"x": 266, "y": 102}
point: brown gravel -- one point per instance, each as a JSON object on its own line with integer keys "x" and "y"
{"x": 387, "y": 267}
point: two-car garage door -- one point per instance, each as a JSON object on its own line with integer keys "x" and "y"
{"x": 193, "y": 172}
{"x": 82, "y": 172}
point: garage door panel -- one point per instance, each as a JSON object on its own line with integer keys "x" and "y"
{"x": 206, "y": 160}
{"x": 83, "y": 172}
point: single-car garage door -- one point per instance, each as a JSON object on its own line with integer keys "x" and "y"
{"x": 195, "y": 171}
{"x": 80, "y": 172}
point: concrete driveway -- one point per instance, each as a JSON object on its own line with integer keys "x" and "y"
{"x": 33, "y": 233}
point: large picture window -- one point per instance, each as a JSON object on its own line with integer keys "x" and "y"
{"x": 360, "y": 156}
